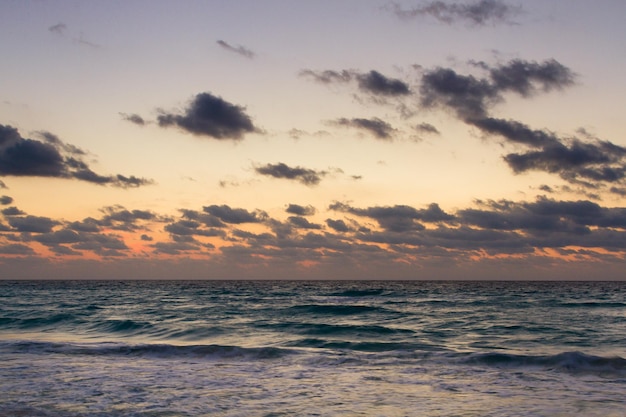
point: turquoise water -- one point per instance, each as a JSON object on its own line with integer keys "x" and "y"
{"x": 252, "y": 348}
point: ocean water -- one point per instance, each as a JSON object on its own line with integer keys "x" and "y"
{"x": 253, "y": 348}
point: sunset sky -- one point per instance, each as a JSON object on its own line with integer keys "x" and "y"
{"x": 362, "y": 139}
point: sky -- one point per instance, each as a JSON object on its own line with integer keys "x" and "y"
{"x": 355, "y": 139}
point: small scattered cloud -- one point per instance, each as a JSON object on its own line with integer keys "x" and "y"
{"x": 6, "y": 200}
{"x": 300, "y": 210}
{"x": 58, "y": 29}
{"x": 238, "y": 49}
{"x": 51, "y": 157}
{"x": 376, "y": 83}
{"x": 375, "y": 126}
{"x": 12, "y": 211}
{"x": 373, "y": 82}
{"x": 280, "y": 170}
{"x": 528, "y": 77}
{"x": 475, "y": 13}
{"x": 235, "y": 215}
{"x": 427, "y": 128}
{"x": 328, "y": 76}
{"x": 338, "y": 225}
{"x": 133, "y": 118}
{"x": 212, "y": 116}
{"x": 302, "y": 223}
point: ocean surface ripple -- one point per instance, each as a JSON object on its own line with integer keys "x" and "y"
{"x": 247, "y": 348}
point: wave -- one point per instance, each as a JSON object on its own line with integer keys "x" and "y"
{"x": 573, "y": 362}
{"x": 145, "y": 350}
{"x": 359, "y": 293}
{"x": 32, "y": 323}
{"x": 336, "y": 309}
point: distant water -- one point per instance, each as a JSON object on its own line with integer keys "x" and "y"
{"x": 85, "y": 348}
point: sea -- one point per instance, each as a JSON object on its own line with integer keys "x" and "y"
{"x": 312, "y": 348}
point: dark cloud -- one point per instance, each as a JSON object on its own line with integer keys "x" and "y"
{"x": 373, "y": 83}
{"x": 206, "y": 219}
{"x": 89, "y": 224}
{"x": 119, "y": 218}
{"x": 586, "y": 163}
{"x": 467, "y": 95}
{"x": 338, "y": 225}
{"x": 12, "y": 211}
{"x": 399, "y": 218}
{"x": 33, "y": 224}
{"x": 59, "y": 28}
{"x": 175, "y": 248}
{"x": 5, "y": 200}
{"x": 16, "y": 249}
{"x": 240, "y": 50}
{"x": 471, "y": 97}
{"x": 133, "y": 118}
{"x": 427, "y": 128}
{"x": 376, "y": 83}
{"x": 191, "y": 228}
{"x": 525, "y": 78}
{"x": 577, "y": 162}
{"x": 235, "y": 215}
{"x": 302, "y": 223}
{"x": 516, "y": 132}
{"x": 209, "y": 115}
{"x": 280, "y": 170}
{"x": 475, "y": 13}
{"x": 3, "y": 185}
{"x": 545, "y": 216}
{"x": 51, "y": 158}
{"x": 300, "y": 210}
{"x": 328, "y": 76}
{"x": 377, "y": 127}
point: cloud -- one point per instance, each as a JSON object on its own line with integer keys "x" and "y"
{"x": 338, "y": 225}
{"x": 3, "y": 185}
{"x": 302, "y": 223}
{"x": 581, "y": 162}
{"x": 467, "y": 95}
{"x": 280, "y": 170}
{"x": 376, "y": 83}
{"x": 427, "y": 128}
{"x": 119, "y": 218}
{"x": 475, "y": 13}
{"x": 240, "y": 50}
{"x": 52, "y": 158}
{"x": 58, "y": 29}
{"x": 133, "y": 118}
{"x": 471, "y": 97}
{"x": 33, "y": 224}
{"x": 399, "y": 218}
{"x": 328, "y": 76}
{"x": 5, "y": 200}
{"x": 300, "y": 210}
{"x": 377, "y": 127}
{"x": 526, "y": 78}
{"x": 373, "y": 82}
{"x": 235, "y": 215}
{"x": 209, "y": 115}
{"x": 546, "y": 215}
{"x": 12, "y": 211}
{"x": 16, "y": 249}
